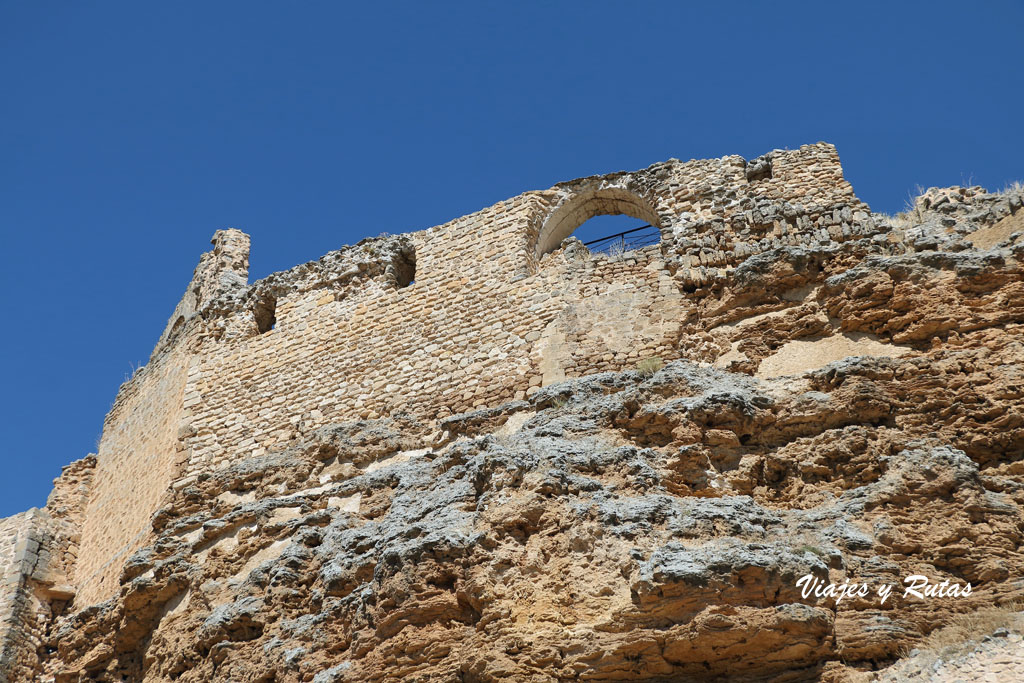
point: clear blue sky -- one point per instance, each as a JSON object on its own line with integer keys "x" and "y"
{"x": 130, "y": 131}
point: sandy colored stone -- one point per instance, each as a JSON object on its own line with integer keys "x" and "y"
{"x": 988, "y": 237}
{"x": 802, "y": 355}
{"x": 482, "y": 452}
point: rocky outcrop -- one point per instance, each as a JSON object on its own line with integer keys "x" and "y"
{"x": 622, "y": 525}
{"x": 847, "y": 411}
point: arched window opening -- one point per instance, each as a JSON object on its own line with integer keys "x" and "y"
{"x": 608, "y": 235}
{"x": 614, "y": 235}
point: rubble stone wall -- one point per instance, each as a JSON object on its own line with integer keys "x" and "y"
{"x": 25, "y": 549}
{"x": 14, "y": 531}
{"x": 486, "y": 308}
{"x": 491, "y": 316}
{"x": 135, "y": 465}
{"x": 407, "y": 418}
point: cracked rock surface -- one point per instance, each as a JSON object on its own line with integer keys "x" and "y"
{"x": 630, "y": 527}
{"x": 633, "y": 525}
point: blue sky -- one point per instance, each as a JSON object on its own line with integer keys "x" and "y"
{"x": 129, "y": 132}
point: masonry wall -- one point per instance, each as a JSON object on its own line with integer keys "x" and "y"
{"x": 140, "y": 453}
{"x": 14, "y": 534}
{"x": 135, "y": 465}
{"x": 490, "y": 319}
{"x": 26, "y": 550}
{"x": 496, "y": 308}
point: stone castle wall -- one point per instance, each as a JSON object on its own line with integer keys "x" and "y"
{"x": 481, "y": 310}
{"x": 35, "y": 549}
{"x": 135, "y": 465}
{"x": 16, "y": 537}
{"x": 491, "y": 316}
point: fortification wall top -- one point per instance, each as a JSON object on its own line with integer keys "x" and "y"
{"x": 483, "y": 309}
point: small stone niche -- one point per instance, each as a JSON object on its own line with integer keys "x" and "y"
{"x": 759, "y": 168}
{"x": 404, "y": 268}
{"x": 265, "y": 313}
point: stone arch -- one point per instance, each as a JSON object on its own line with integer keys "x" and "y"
{"x": 583, "y": 205}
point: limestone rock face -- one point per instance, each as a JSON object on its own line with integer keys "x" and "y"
{"x": 630, "y": 527}
{"x": 843, "y": 409}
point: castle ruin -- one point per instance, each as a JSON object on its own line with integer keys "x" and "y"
{"x": 476, "y": 313}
